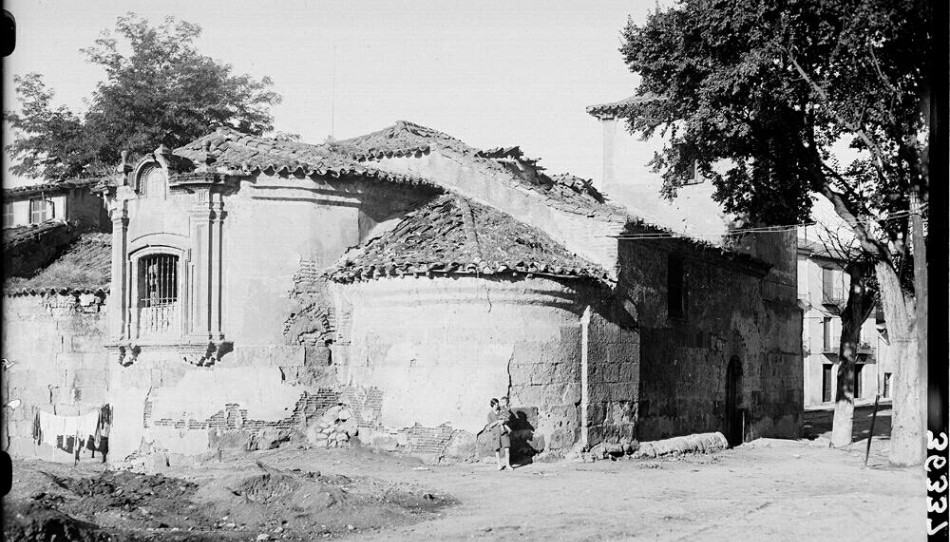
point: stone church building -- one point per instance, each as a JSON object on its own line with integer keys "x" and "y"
{"x": 257, "y": 283}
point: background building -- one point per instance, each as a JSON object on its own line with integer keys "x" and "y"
{"x": 65, "y": 201}
{"x": 823, "y": 288}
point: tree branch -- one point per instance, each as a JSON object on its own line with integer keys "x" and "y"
{"x": 844, "y": 207}
{"x": 876, "y": 151}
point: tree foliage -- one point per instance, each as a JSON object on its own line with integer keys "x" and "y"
{"x": 158, "y": 89}
{"x": 771, "y": 87}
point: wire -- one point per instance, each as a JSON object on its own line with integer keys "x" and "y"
{"x": 769, "y": 229}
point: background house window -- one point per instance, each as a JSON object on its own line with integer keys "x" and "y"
{"x": 695, "y": 176}
{"x": 158, "y": 294}
{"x": 858, "y": 388}
{"x": 826, "y": 382}
{"x": 887, "y": 384}
{"x": 832, "y": 286}
{"x": 827, "y": 333}
{"x": 39, "y": 210}
{"x": 7, "y": 215}
{"x": 675, "y": 287}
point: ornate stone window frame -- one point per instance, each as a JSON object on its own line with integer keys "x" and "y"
{"x": 181, "y": 323}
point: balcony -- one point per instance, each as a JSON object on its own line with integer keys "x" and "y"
{"x": 835, "y": 301}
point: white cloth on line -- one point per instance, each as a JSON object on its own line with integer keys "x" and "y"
{"x": 53, "y": 425}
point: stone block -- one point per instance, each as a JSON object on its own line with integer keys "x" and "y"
{"x": 316, "y": 436}
{"x": 622, "y": 391}
{"x": 542, "y": 374}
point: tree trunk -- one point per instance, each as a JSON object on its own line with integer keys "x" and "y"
{"x": 856, "y": 312}
{"x": 907, "y": 440}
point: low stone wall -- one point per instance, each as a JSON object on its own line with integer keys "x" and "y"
{"x": 53, "y": 361}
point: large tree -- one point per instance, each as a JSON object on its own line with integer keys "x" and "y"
{"x": 774, "y": 88}
{"x": 158, "y": 89}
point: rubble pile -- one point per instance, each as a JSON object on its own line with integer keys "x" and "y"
{"x": 335, "y": 429}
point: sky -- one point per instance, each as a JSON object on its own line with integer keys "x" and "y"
{"x": 489, "y": 73}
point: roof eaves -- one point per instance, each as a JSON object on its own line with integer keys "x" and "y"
{"x": 612, "y": 110}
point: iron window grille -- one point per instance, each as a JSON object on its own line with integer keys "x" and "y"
{"x": 158, "y": 294}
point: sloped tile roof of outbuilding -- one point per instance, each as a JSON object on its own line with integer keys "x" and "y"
{"x": 453, "y": 235}
{"x": 53, "y": 187}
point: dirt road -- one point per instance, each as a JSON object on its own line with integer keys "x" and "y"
{"x": 765, "y": 490}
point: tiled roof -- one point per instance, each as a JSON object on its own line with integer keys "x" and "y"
{"x": 48, "y": 188}
{"x": 453, "y": 235}
{"x": 616, "y": 109}
{"x": 401, "y": 139}
{"x": 566, "y": 192}
{"x": 12, "y": 237}
{"x": 236, "y": 151}
{"x": 356, "y": 156}
{"x": 83, "y": 267}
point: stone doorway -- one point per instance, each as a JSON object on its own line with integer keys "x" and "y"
{"x": 733, "y": 427}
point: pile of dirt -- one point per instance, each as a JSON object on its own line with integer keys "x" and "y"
{"x": 252, "y": 503}
{"x": 298, "y": 505}
{"x": 35, "y": 521}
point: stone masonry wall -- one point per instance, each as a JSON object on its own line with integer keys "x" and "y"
{"x": 613, "y": 378}
{"x": 684, "y": 359}
{"x": 429, "y": 353}
{"x": 52, "y": 361}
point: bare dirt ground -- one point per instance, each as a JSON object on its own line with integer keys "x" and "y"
{"x": 764, "y": 490}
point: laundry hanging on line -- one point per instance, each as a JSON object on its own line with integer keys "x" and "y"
{"x": 69, "y": 432}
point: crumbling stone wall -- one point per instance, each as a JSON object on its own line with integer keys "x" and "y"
{"x": 52, "y": 361}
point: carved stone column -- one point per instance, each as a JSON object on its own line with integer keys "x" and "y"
{"x": 207, "y": 217}
{"x": 119, "y": 290}
{"x": 199, "y": 311}
{"x": 216, "y": 262}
